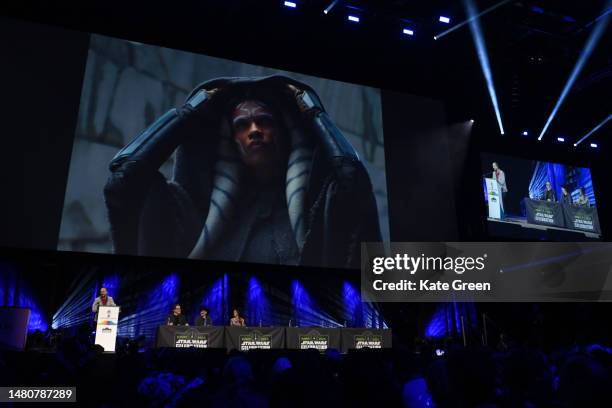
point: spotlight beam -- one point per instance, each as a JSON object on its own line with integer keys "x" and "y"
{"x": 331, "y": 6}
{"x": 482, "y": 13}
{"x": 481, "y": 49}
{"x": 595, "y": 129}
{"x": 592, "y": 41}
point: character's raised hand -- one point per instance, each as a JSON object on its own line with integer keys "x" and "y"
{"x": 307, "y": 102}
{"x": 297, "y": 95}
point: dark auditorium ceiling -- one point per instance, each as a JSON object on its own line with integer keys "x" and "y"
{"x": 532, "y": 45}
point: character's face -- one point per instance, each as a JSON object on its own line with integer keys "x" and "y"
{"x": 256, "y": 131}
{"x": 103, "y": 292}
{"x": 177, "y": 309}
{"x": 548, "y": 185}
{"x": 495, "y": 166}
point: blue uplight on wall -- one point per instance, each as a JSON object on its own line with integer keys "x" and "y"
{"x": 111, "y": 283}
{"x": 76, "y": 309}
{"x": 305, "y": 310}
{"x": 16, "y": 293}
{"x": 352, "y": 306}
{"x": 357, "y": 313}
{"x": 257, "y": 309}
{"x": 437, "y": 326}
{"x": 446, "y": 319}
{"x": 215, "y": 300}
{"x": 151, "y": 311}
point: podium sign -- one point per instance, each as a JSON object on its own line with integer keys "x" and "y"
{"x": 106, "y": 327}
{"x": 494, "y": 198}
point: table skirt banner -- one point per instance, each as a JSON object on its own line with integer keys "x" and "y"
{"x": 544, "y": 213}
{"x": 248, "y": 338}
{"x": 319, "y": 338}
{"x": 190, "y": 337}
{"x": 353, "y": 338}
{"x": 293, "y": 338}
{"x": 581, "y": 218}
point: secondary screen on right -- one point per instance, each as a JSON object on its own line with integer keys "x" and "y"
{"x": 535, "y": 199}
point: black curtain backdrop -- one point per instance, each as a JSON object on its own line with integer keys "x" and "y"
{"x": 40, "y": 78}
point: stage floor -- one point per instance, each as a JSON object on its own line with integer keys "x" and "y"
{"x": 519, "y": 222}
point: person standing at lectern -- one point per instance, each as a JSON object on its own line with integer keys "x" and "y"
{"x": 176, "y": 318}
{"x": 102, "y": 300}
{"x": 500, "y": 177}
{"x": 549, "y": 193}
{"x": 204, "y": 318}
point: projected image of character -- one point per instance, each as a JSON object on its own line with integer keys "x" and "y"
{"x": 261, "y": 174}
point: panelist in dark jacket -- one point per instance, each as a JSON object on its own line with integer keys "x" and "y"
{"x": 549, "y": 193}
{"x": 176, "y": 318}
{"x": 261, "y": 174}
{"x": 203, "y": 318}
{"x": 566, "y": 197}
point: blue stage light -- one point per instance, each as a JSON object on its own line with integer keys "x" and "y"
{"x": 354, "y": 19}
{"x": 330, "y": 7}
{"x": 408, "y": 31}
{"x": 436, "y": 327}
{"x": 461, "y": 24}
{"x": 358, "y": 313}
{"x": 592, "y": 41}
{"x": 561, "y": 139}
{"x": 444, "y": 19}
{"x": 525, "y": 133}
{"x": 305, "y": 310}
{"x": 594, "y": 145}
{"x": 257, "y": 310}
{"x": 481, "y": 49}
{"x": 76, "y": 309}
{"x": 152, "y": 310}
{"x": 14, "y": 292}
{"x": 215, "y": 300}
{"x": 446, "y": 319}
{"x": 595, "y": 129}
{"x": 290, "y": 4}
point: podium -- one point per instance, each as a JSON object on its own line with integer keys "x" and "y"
{"x": 496, "y": 205}
{"x": 106, "y": 327}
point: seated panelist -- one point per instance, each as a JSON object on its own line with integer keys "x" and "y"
{"x": 549, "y": 194}
{"x": 176, "y": 318}
{"x": 236, "y": 319}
